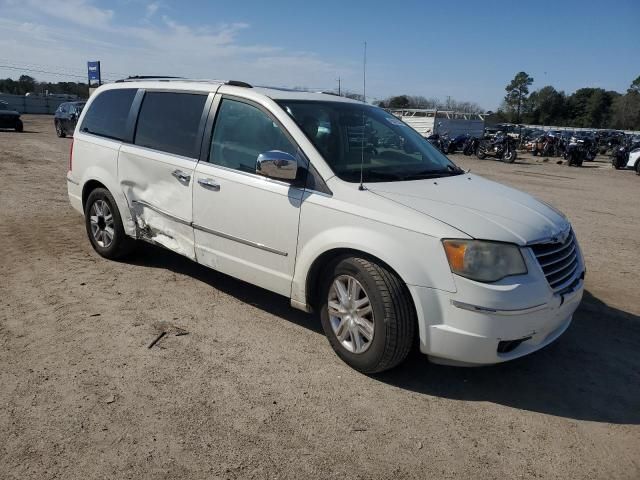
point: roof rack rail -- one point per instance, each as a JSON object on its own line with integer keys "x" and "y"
{"x": 138, "y": 78}
{"x": 238, "y": 83}
{"x": 148, "y": 77}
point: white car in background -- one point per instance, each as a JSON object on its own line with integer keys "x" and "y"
{"x": 634, "y": 160}
{"x": 390, "y": 242}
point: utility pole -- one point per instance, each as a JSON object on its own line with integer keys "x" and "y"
{"x": 339, "y": 90}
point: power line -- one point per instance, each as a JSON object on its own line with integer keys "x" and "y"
{"x": 49, "y": 67}
{"x": 60, "y": 74}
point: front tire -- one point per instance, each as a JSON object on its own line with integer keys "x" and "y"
{"x": 19, "y": 126}
{"x": 60, "y": 131}
{"x": 367, "y": 314}
{"x": 104, "y": 226}
{"x": 509, "y": 156}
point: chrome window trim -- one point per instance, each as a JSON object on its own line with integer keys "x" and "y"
{"x": 255, "y": 175}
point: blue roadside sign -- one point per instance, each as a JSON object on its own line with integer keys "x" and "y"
{"x": 93, "y": 70}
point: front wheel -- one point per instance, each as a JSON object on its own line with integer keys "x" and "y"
{"x": 616, "y": 163}
{"x": 60, "y": 131}
{"x": 509, "y": 156}
{"x": 104, "y": 225}
{"x": 367, "y": 314}
{"x": 19, "y": 126}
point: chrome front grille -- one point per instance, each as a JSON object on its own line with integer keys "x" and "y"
{"x": 559, "y": 261}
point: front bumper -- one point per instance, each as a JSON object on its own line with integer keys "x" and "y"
{"x": 465, "y": 335}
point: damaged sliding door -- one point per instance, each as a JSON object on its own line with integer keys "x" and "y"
{"x": 156, "y": 171}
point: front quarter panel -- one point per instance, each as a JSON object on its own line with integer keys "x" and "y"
{"x": 417, "y": 258}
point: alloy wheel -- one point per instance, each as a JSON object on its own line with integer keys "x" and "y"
{"x": 102, "y": 227}
{"x": 351, "y": 314}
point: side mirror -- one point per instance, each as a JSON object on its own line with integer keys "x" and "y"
{"x": 277, "y": 165}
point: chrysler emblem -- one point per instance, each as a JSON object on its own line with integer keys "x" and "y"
{"x": 562, "y": 236}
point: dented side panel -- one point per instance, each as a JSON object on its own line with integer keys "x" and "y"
{"x": 158, "y": 189}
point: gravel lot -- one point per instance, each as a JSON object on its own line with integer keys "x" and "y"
{"x": 254, "y": 389}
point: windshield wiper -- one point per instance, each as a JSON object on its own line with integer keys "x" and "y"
{"x": 369, "y": 175}
{"x": 425, "y": 174}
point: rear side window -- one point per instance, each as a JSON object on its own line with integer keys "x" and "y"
{"x": 169, "y": 122}
{"x": 108, "y": 113}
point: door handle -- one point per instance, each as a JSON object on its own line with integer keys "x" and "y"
{"x": 182, "y": 176}
{"x": 209, "y": 183}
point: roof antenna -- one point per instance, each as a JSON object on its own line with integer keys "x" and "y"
{"x": 364, "y": 99}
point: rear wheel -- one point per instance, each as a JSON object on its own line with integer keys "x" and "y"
{"x": 104, "y": 225}
{"x": 638, "y": 167}
{"x": 367, "y": 314}
{"x": 59, "y": 130}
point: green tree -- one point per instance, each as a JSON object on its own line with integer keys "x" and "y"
{"x": 27, "y": 84}
{"x": 401, "y": 101}
{"x": 546, "y": 106}
{"x": 635, "y": 86}
{"x": 517, "y": 92}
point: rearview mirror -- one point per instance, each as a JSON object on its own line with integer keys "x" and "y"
{"x": 277, "y": 165}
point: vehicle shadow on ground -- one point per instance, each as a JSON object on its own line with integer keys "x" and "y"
{"x": 590, "y": 373}
{"x": 158, "y": 257}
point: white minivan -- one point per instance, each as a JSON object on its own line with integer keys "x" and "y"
{"x": 337, "y": 205}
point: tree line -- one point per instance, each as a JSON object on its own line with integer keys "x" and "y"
{"x": 26, "y": 84}
{"x": 586, "y": 107}
{"x": 418, "y": 101}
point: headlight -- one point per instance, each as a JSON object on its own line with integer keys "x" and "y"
{"x": 484, "y": 261}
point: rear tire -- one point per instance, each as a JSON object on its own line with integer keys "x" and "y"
{"x": 59, "y": 130}
{"x": 104, "y": 226}
{"x": 638, "y": 167}
{"x": 389, "y": 308}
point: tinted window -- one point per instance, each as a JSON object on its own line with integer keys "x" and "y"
{"x": 242, "y": 132}
{"x": 169, "y": 122}
{"x": 107, "y": 115}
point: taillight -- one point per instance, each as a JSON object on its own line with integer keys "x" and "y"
{"x": 71, "y": 156}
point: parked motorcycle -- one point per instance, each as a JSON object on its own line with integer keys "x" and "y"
{"x": 470, "y": 146}
{"x": 502, "y": 147}
{"x": 575, "y": 152}
{"x": 546, "y": 145}
{"x": 620, "y": 156}
{"x": 441, "y": 141}
{"x": 458, "y": 142}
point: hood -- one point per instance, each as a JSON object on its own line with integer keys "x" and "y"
{"x": 478, "y": 207}
{"x": 9, "y": 113}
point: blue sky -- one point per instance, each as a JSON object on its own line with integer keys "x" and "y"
{"x": 468, "y": 50}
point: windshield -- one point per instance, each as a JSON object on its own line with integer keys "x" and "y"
{"x": 351, "y": 135}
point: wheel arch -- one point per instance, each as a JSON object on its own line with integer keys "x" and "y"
{"x": 327, "y": 258}
{"x": 89, "y": 187}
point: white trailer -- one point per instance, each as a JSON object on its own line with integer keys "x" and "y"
{"x": 427, "y": 121}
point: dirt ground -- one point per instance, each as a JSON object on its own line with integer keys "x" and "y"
{"x": 253, "y": 390}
